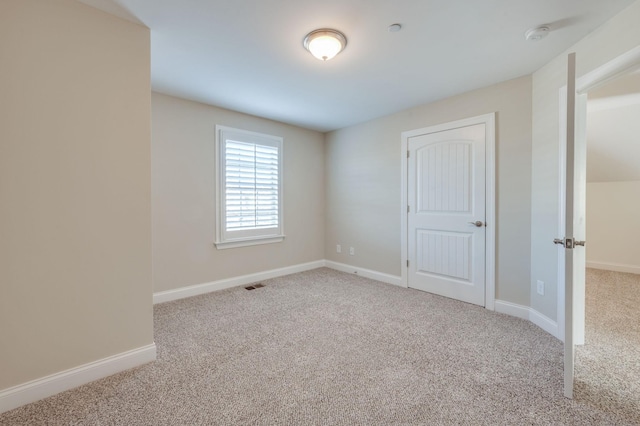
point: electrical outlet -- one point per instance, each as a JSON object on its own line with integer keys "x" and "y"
{"x": 541, "y": 288}
{"x": 338, "y": 248}
{"x": 352, "y": 251}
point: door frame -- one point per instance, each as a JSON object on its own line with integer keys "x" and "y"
{"x": 620, "y": 66}
{"x": 489, "y": 120}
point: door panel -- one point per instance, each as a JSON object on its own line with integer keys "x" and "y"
{"x": 446, "y": 194}
{"x": 443, "y": 177}
{"x": 444, "y": 253}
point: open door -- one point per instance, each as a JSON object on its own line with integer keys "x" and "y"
{"x": 574, "y": 255}
{"x": 571, "y": 292}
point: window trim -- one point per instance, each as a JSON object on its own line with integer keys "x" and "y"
{"x": 223, "y": 239}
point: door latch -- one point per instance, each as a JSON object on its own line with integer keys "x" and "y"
{"x": 568, "y": 243}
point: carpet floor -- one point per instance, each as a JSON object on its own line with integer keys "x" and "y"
{"x": 327, "y": 348}
{"x": 608, "y": 365}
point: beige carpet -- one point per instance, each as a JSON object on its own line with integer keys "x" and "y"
{"x": 327, "y": 348}
{"x": 608, "y": 366}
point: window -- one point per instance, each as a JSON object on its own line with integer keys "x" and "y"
{"x": 249, "y": 188}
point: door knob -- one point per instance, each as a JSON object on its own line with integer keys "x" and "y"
{"x": 477, "y": 223}
{"x": 568, "y": 242}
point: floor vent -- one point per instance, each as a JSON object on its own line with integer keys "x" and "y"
{"x": 253, "y": 287}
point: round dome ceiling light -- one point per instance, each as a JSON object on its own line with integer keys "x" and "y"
{"x": 325, "y": 43}
{"x": 538, "y": 33}
{"x": 394, "y": 28}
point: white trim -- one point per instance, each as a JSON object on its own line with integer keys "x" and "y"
{"x": 38, "y": 389}
{"x": 579, "y": 167}
{"x": 195, "y": 290}
{"x": 198, "y": 289}
{"x": 616, "y": 267}
{"x": 562, "y": 177}
{"x": 524, "y": 312}
{"x": 512, "y": 309}
{"x": 624, "y": 64}
{"x": 544, "y": 322}
{"x": 254, "y": 241}
{"x": 490, "y": 210}
{"x": 367, "y": 273}
{"x": 224, "y": 238}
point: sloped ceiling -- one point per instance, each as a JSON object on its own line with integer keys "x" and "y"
{"x": 613, "y": 131}
{"x": 247, "y": 55}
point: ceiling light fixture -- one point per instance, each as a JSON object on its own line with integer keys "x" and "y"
{"x": 325, "y": 43}
{"x": 538, "y": 33}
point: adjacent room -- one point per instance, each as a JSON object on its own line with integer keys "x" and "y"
{"x": 607, "y": 362}
{"x": 342, "y": 212}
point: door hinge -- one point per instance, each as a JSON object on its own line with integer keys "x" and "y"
{"x": 408, "y": 154}
{"x": 408, "y": 209}
{"x": 407, "y": 263}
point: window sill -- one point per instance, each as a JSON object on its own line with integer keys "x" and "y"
{"x": 254, "y": 241}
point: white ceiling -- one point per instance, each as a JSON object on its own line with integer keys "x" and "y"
{"x": 613, "y": 131}
{"x": 247, "y": 55}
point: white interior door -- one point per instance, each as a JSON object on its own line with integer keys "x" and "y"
{"x": 573, "y": 226}
{"x": 446, "y": 212}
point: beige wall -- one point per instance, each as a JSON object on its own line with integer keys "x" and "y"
{"x": 613, "y": 231}
{"x": 615, "y": 37}
{"x": 363, "y": 183}
{"x": 75, "y": 229}
{"x": 183, "y": 182}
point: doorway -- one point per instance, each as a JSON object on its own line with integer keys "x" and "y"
{"x": 609, "y": 361}
{"x": 624, "y": 65}
{"x": 572, "y": 327}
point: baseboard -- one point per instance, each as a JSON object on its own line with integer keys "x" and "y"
{"x": 367, "y": 273}
{"x": 529, "y": 314}
{"x": 38, "y": 389}
{"x": 631, "y": 269}
{"x": 512, "y": 309}
{"x": 195, "y": 290}
{"x": 544, "y": 322}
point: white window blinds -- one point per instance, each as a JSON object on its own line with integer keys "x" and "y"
{"x": 248, "y": 188}
{"x": 251, "y": 186}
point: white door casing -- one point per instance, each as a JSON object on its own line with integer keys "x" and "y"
{"x": 448, "y": 185}
{"x": 568, "y": 237}
{"x": 578, "y": 219}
